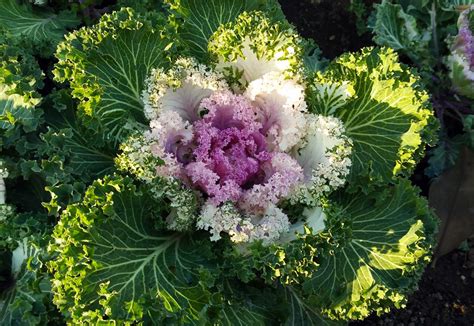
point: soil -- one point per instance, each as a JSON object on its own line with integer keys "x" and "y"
{"x": 329, "y": 23}
{"x": 446, "y": 291}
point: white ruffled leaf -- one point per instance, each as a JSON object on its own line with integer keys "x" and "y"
{"x": 185, "y": 100}
{"x": 252, "y": 67}
{"x": 325, "y": 158}
{"x": 282, "y": 106}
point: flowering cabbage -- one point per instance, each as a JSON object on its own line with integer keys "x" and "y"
{"x": 235, "y": 181}
{"x": 461, "y": 60}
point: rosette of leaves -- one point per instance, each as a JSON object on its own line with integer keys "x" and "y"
{"x": 461, "y": 59}
{"x": 424, "y": 32}
{"x": 115, "y": 262}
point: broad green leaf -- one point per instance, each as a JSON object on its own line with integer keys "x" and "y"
{"x": 303, "y": 313}
{"x": 16, "y": 111}
{"x": 242, "y": 314}
{"x": 28, "y": 298}
{"x": 395, "y": 28}
{"x": 455, "y": 4}
{"x": 20, "y": 79}
{"x": 386, "y": 113}
{"x": 107, "y": 65}
{"x": 16, "y": 304}
{"x": 112, "y": 261}
{"x": 243, "y": 305}
{"x": 373, "y": 251}
{"x": 35, "y": 24}
{"x": 82, "y": 148}
{"x": 197, "y": 20}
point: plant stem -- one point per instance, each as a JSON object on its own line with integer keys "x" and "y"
{"x": 434, "y": 31}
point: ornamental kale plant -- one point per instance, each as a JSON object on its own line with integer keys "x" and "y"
{"x": 434, "y": 36}
{"x": 204, "y": 166}
{"x": 462, "y": 58}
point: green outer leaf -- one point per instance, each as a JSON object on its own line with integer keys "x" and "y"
{"x": 36, "y": 25}
{"x": 452, "y": 5}
{"x": 29, "y": 300}
{"x": 16, "y": 111}
{"x": 388, "y": 118}
{"x": 112, "y": 261}
{"x": 16, "y": 304}
{"x": 373, "y": 251}
{"x": 83, "y": 148}
{"x": 106, "y": 66}
{"x": 395, "y": 28}
{"x": 302, "y": 313}
{"x": 197, "y": 20}
{"x": 244, "y": 305}
{"x": 242, "y": 314}
{"x": 20, "y": 78}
